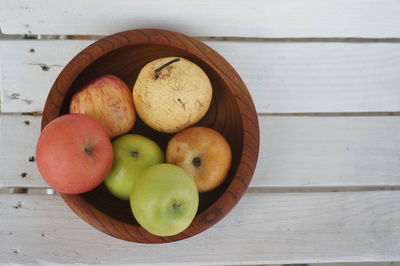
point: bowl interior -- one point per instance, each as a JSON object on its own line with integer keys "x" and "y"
{"x": 222, "y": 116}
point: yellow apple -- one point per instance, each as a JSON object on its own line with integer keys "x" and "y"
{"x": 171, "y": 94}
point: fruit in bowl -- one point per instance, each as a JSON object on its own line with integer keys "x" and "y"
{"x": 171, "y": 93}
{"x": 108, "y": 100}
{"x": 203, "y": 153}
{"x": 230, "y": 111}
{"x": 74, "y": 154}
{"x": 132, "y": 154}
{"x": 164, "y": 199}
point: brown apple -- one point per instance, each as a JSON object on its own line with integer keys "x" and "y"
{"x": 74, "y": 153}
{"x": 108, "y": 100}
{"x": 203, "y": 153}
{"x": 171, "y": 94}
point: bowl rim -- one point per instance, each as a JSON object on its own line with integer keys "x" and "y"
{"x": 248, "y": 159}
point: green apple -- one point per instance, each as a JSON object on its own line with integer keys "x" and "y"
{"x": 164, "y": 199}
{"x": 132, "y": 154}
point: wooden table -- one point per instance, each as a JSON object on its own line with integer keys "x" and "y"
{"x": 325, "y": 79}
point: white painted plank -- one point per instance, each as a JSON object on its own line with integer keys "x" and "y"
{"x": 294, "y": 151}
{"x": 391, "y": 263}
{"x": 1, "y": 87}
{"x": 263, "y": 229}
{"x": 25, "y": 83}
{"x": 318, "y": 77}
{"x": 282, "y": 77}
{"x": 328, "y": 151}
{"x": 256, "y": 18}
{"x": 17, "y": 145}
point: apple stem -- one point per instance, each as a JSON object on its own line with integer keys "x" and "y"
{"x": 158, "y": 70}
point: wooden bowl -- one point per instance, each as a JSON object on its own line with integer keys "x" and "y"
{"x": 232, "y": 113}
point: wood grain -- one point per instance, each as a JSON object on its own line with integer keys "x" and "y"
{"x": 282, "y": 77}
{"x": 256, "y": 18}
{"x": 274, "y": 228}
{"x": 232, "y": 113}
{"x": 295, "y": 152}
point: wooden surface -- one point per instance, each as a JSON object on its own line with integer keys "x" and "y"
{"x": 255, "y": 18}
{"x": 345, "y": 77}
{"x": 282, "y": 77}
{"x": 323, "y": 151}
{"x": 265, "y": 228}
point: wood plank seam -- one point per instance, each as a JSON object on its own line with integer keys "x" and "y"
{"x": 252, "y": 190}
{"x": 211, "y": 38}
{"x": 319, "y": 114}
{"x": 326, "y": 114}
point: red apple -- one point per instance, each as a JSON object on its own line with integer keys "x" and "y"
{"x": 74, "y": 154}
{"x": 108, "y": 100}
